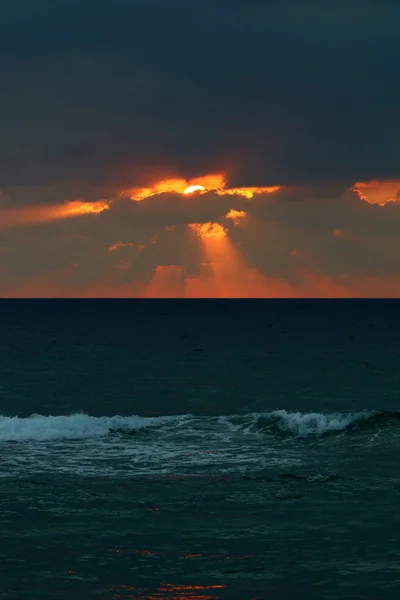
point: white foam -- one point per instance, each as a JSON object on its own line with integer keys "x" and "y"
{"x": 81, "y": 443}
{"x": 82, "y": 426}
{"x": 75, "y": 427}
{"x": 317, "y": 423}
{"x": 182, "y": 444}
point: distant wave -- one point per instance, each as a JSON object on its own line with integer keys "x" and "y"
{"x": 42, "y": 428}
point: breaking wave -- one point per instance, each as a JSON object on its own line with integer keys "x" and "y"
{"x": 81, "y": 426}
{"x": 178, "y": 444}
{"x": 75, "y": 427}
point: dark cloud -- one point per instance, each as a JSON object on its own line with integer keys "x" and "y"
{"x": 322, "y": 231}
{"x": 174, "y": 209}
{"x": 118, "y": 92}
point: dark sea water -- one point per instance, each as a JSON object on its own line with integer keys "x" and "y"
{"x": 200, "y": 450}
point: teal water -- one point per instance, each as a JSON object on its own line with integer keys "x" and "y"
{"x": 199, "y": 449}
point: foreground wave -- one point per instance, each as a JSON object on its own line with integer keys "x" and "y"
{"x": 82, "y": 426}
{"x": 131, "y": 446}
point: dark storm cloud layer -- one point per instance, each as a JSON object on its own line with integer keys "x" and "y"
{"x": 286, "y": 233}
{"x": 119, "y": 92}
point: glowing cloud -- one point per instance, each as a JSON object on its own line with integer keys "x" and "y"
{"x": 194, "y": 188}
{"x": 161, "y": 187}
{"x": 76, "y": 208}
{"x": 250, "y": 192}
{"x": 20, "y": 217}
{"x": 119, "y": 245}
{"x": 378, "y": 192}
{"x": 208, "y": 231}
{"x": 236, "y": 215}
{"x": 209, "y": 183}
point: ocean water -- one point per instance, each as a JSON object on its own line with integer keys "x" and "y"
{"x": 239, "y": 449}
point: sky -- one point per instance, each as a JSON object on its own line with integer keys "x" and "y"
{"x": 211, "y": 148}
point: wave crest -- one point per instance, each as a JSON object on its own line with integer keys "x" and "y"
{"x": 278, "y": 422}
{"x": 305, "y": 424}
{"x": 75, "y": 427}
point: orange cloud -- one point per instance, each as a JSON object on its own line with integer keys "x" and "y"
{"x": 19, "y": 217}
{"x": 208, "y": 231}
{"x": 118, "y": 245}
{"x": 209, "y": 183}
{"x": 302, "y": 241}
{"x": 378, "y": 192}
{"x": 77, "y": 207}
{"x": 236, "y": 215}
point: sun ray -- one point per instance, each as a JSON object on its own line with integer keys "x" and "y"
{"x": 167, "y": 282}
{"x": 224, "y": 271}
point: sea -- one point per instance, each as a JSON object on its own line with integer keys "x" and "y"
{"x": 200, "y": 449}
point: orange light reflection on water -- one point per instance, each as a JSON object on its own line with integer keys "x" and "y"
{"x": 169, "y": 591}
